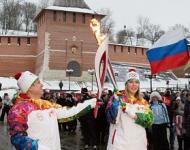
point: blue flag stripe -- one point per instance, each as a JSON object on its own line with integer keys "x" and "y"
{"x": 159, "y": 53}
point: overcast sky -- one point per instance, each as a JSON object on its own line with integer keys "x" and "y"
{"x": 163, "y": 12}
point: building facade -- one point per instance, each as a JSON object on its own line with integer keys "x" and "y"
{"x": 64, "y": 41}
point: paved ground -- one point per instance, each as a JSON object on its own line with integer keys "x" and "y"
{"x": 68, "y": 142}
{"x": 4, "y": 138}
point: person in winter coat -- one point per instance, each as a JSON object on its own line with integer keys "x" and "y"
{"x": 129, "y": 115}
{"x": 161, "y": 121}
{"x": 1, "y": 103}
{"x": 102, "y": 124}
{"x": 33, "y": 121}
{"x": 88, "y": 124}
{"x": 187, "y": 123}
{"x": 7, "y": 103}
{"x": 70, "y": 102}
{"x": 178, "y": 118}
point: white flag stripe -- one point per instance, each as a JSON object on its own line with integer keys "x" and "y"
{"x": 170, "y": 37}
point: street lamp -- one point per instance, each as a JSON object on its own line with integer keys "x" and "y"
{"x": 150, "y": 76}
{"x": 69, "y": 72}
{"x": 91, "y": 72}
{"x": 187, "y": 75}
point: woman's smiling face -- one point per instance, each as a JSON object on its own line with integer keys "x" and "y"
{"x": 132, "y": 86}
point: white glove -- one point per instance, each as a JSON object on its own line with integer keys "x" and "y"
{"x": 131, "y": 111}
{"x": 91, "y": 102}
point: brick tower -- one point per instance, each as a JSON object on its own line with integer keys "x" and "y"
{"x": 65, "y": 40}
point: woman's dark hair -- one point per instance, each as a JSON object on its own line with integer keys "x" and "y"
{"x": 188, "y": 94}
{"x": 110, "y": 93}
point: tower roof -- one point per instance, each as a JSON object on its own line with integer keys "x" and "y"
{"x": 78, "y": 6}
{"x": 71, "y": 3}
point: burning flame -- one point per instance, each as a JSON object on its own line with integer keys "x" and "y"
{"x": 95, "y": 25}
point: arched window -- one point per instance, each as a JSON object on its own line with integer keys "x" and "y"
{"x": 75, "y": 66}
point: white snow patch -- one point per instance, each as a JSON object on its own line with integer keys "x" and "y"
{"x": 71, "y": 9}
{"x": 17, "y": 33}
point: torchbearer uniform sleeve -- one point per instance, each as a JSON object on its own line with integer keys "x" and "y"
{"x": 68, "y": 114}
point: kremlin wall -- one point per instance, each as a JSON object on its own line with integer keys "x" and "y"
{"x": 64, "y": 40}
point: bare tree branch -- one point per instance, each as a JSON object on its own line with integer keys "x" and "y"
{"x": 107, "y": 23}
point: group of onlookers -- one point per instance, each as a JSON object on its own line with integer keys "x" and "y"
{"x": 171, "y": 112}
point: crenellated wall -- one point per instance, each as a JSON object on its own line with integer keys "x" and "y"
{"x": 128, "y": 54}
{"x": 17, "y": 54}
{"x": 64, "y": 40}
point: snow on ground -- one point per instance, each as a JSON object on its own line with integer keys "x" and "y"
{"x": 9, "y": 85}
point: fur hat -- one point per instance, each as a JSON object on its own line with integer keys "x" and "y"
{"x": 25, "y": 80}
{"x": 84, "y": 90}
{"x": 155, "y": 93}
{"x": 132, "y": 74}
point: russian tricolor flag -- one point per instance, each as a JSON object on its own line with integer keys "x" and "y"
{"x": 169, "y": 52}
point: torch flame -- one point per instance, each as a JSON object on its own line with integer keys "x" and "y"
{"x": 95, "y": 25}
{"x": 102, "y": 62}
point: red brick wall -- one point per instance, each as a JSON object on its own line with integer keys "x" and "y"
{"x": 57, "y": 61}
{"x": 13, "y": 48}
{"x": 16, "y": 58}
{"x": 12, "y": 65}
{"x": 77, "y": 34}
{"x": 62, "y": 37}
{"x": 128, "y": 54}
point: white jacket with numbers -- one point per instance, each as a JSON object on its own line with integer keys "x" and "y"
{"x": 43, "y": 125}
{"x": 126, "y": 134}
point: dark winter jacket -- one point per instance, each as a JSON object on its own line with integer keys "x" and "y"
{"x": 187, "y": 118}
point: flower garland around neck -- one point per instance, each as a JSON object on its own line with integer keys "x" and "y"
{"x": 40, "y": 103}
{"x": 144, "y": 114}
{"x": 132, "y": 100}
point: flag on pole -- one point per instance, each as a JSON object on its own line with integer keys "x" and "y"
{"x": 169, "y": 52}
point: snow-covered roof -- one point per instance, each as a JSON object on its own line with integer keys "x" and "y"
{"x": 17, "y": 33}
{"x": 71, "y": 3}
{"x": 72, "y": 9}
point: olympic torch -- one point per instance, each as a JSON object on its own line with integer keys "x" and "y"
{"x": 101, "y": 58}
